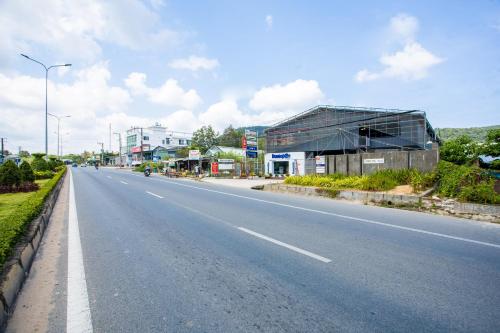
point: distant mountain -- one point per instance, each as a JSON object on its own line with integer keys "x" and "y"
{"x": 476, "y": 133}
{"x": 258, "y": 129}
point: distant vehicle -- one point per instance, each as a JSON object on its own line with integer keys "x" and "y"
{"x": 83, "y": 165}
{"x": 74, "y": 165}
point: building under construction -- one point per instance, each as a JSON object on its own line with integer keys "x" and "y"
{"x": 334, "y": 130}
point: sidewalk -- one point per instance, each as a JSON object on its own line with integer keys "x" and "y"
{"x": 241, "y": 183}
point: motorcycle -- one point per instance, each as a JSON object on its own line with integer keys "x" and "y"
{"x": 96, "y": 167}
{"x": 147, "y": 173}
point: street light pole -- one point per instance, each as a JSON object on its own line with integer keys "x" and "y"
{"x": 46, "y": 98}
{"x": 58, "y": 128}
{"x": 120, "y": 147}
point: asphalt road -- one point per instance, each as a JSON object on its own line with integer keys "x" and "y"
{"x": 162, "y": 255}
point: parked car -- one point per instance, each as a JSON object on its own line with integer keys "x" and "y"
{"x": 83, "y": 165}
{"x": 74, "y": 165}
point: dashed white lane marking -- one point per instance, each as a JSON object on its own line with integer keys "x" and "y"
{"x": 78, "y": 318}
{"x": 156, "y": 195}
{"x": 109, "y": 177}
{"x": 288, "y": 246}
{"x": 121, "y": 181}
{"x": 425, "y": 232}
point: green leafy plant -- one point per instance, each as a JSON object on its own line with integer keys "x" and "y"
{"x": 9, "y": 174}
{"x": 26, "y": 173}
{"x": 43, "y": 174}
{"x": 39, "y": 164}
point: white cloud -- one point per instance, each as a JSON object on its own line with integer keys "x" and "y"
{"x": 168, "y": 94}
{"x": 292, "y": 97}
{"x": 194, "y": 63}
{"x": 413, "y": 62}
{"x": 404, "y": 26}
{"x": 87, "y": 99}
{"x": 269, "y": 21}
{"x": 75, "y": 29}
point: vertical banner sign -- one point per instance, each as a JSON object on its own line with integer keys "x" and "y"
{"x": 320, "y": 164}
{"x": 251, "y": 143}
{"x": 215, "y": 168}
{"x": 244, "y": 142}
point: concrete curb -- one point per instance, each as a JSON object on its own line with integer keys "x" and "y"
{"x": 17, "y": 268}
{"x": 486, "y": 213}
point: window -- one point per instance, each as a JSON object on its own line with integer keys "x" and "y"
{"x": 146, "y": 138}
{"x": 181, "y": 142}
{"x": 162, "y": 142}
{"x": 167, "y": 141}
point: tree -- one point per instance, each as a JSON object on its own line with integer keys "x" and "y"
{"x": 204, "y": 138}
{"x": 39, "y": 164}
{"x": 9, "y": 174}
{"x": 462, "y": 150}
{"x": 26, "y": 173}
{"x": 231, "y": 137}
{"x": 24, "y": 154}
{"x": 492, "y": 145}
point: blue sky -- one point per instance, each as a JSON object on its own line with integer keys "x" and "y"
{"x": 187, "y": 64}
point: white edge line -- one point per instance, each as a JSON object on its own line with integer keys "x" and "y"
{"x": 78, "y": 316}
{"x": 109, "y": 177}
{"x": 288, "y": 246}
{"x": 467, "y": 240}
{"x": 156, "y": 195}
{"x": 121, "y": 181}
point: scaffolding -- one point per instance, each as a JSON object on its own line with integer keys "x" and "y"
{"x": 334, "y": 130}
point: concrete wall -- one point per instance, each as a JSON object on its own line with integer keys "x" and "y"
{"x": 368, "y": 163}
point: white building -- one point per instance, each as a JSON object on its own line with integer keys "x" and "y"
{"x": 287, "y": 163}
{"x": 150, "y": 138}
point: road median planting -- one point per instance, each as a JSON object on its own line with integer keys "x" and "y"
{"x": 23, "y": 219}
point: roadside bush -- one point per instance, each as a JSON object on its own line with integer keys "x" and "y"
{"x": 379, "y": 181}
{"x": 26, "y": 173}
{"x": 9, "y": 174}
{"x": 43, "y": 174}
{"x": 39, "y": 164}
{"x": 13, "y": 226}
{"x": 466, "y": 183}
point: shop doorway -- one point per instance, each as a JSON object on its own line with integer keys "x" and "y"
{"x": 281, "y": 168}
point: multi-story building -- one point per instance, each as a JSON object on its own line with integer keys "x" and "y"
{"x": 154, "y": 142}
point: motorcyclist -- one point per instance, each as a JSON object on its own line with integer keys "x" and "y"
{"x": 147, "y": 170}
{"x": 96, "y": 165}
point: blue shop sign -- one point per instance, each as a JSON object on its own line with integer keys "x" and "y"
{"x": 283, "y": 156}
{"x": 252, "y": 154}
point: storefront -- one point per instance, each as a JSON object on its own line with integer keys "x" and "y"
{"x": 292, "y": 163}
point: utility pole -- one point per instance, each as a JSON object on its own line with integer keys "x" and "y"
{"x": 102, "y": 152}
{"x": 2, "y": 156}
{"x": 120, "y": 147}
{"x": 142, "y": 153}
{"x": 110, "y": 137}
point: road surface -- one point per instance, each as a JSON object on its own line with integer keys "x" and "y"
{"x": 164, "y": 255}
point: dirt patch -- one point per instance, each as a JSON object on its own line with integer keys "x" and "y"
{"x": 401, "y": 189}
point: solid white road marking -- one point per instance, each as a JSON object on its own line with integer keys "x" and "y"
{"x": 78, "y": 318}
{"x": 156, "y": 195}
{"x": 288, "y": 246}
{"x": 467, "y": 240}
{"x": 109, "y": 177}
{"x": 121, "y": 181}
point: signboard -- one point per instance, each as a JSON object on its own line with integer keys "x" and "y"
{"x": 215, "y": 168}
{"x": 281, "y": 156}
{"x": 251, "y": 154}
{"x": 252, "y": 148}
{"x": 194, "y": 155}
{"x": 225, "y": 160}
{"x": 250, "y": 133}
{"x": 320, "y": 164}
{"x": 373, "y": 161}
{"x": 226, "y": 166}
{"x": 251, "y": 142}
{"x": 136, "y": 149}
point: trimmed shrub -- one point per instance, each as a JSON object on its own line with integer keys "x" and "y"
{"x": 9, "y": 174}
{"x": 12, "y": 227}
{"x": 43, "y": 174}
{"x": 379, "y": 181}
{"x": 26, "y": 172}
{"x": 39, "y": 164}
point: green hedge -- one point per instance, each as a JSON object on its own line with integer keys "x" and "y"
{"x": 13, "y": 226}
{"x": 382, "y": 180}
{"x": 43, "y": 174}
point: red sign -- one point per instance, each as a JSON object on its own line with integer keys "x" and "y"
{"x": 136, "y": 149}
{"x": 244, "y": 142}
{"x": 215, "y": 168}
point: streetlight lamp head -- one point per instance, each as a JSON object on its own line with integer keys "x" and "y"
{"x": 24, "y": 55}
{"x": 67, "y": 65}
